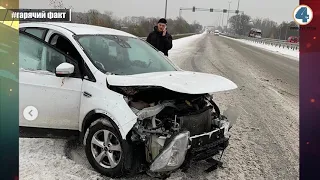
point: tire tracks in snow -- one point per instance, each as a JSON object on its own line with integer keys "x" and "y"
{"x": 262, "y": 135}
{"x": 275, "y": 124}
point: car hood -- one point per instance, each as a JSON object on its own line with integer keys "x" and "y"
{"x": 179, "y": 81}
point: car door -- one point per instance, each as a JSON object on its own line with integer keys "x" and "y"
{"x": 57, "y": 99}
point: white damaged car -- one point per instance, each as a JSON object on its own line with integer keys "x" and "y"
{"x": 134, "y": 109}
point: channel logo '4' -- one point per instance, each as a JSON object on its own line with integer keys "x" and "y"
{"x": 302, "y": 14}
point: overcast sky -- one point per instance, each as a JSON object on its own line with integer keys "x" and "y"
{"x": 277, "y": 10}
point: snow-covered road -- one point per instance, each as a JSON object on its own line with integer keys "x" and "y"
{"x": 293, "y": 54}
{"x": 264, "y": 142}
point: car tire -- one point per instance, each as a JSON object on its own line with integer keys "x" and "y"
{"x": 106, "y": 151}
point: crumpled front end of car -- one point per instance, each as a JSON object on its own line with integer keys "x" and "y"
{"x": 194, "y": 145}
{"x": 175, "y": 128}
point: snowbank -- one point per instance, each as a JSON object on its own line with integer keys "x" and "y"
{"x": 293, "y": 54}
{"x": 180, "y": 44}
{"x": 45, "y": 159}
{"x": 182, "y": 48}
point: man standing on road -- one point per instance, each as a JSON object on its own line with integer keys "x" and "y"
{"x": 160, "y": 38}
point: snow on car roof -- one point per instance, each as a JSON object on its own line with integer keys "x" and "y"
{"x": 81, "y": 29}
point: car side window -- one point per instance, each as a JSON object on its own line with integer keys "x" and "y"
{"x": 30, "y": 53}
{"x": 64, "y": 45}
{"x": 38, "y": 32}
{"x": 35, "y": 55}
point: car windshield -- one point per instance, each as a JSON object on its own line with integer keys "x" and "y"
{"x": 123, "y": 55}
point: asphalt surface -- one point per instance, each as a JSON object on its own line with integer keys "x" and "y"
{"x": 265, "y": 141}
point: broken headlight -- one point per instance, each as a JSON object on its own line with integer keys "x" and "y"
{"x": 173, "y": 154}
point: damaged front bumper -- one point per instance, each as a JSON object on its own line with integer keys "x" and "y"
{"x": 184, "y": 147}
{"x": 173, "y": 155}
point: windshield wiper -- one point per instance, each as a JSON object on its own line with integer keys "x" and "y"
{"x": 121, "y": 42}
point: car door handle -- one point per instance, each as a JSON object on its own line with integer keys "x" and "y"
{"x": 86, "y": 94}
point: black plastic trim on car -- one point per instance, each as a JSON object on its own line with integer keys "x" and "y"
{"x": 90, "y": 117}
{"x": 86, "y": 94}
{"x": 44, "y": 34}
{"x": 88, "y": 73}
{"x": 208, "y": 150}
{"x": 36, "y": 132}
{"x": 22, "y": 29}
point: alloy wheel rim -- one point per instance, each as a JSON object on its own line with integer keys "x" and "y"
{"x": 106, "y": 149}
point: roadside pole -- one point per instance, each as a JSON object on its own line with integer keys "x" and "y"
{"x": 165, "y": 15}
{"x": 228, "y": 15}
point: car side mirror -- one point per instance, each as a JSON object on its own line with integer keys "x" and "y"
{"x": 64, "y": 70}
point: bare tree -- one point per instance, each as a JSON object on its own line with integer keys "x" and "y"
{"x": 58, "y": 4}
{"x": 139, "y": 26}
{"x": 266, "y": 25}
{"x": 240, "y": 23}
{"x": 287, "y": 29}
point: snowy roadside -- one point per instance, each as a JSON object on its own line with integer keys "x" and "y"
{"x": 183, "y": 48}
{"x": 43, "y": 158}
{"x": 292, "y": 54}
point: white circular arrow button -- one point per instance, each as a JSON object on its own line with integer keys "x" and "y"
{"x": 30, "y": 113}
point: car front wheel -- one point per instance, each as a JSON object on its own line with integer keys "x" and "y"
{"x": 105, "y": 150}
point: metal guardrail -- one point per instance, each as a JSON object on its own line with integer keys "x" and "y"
{"x": 176, "y": 36}
{"x": 268, "y": 41}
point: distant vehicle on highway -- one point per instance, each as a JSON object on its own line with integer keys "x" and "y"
{"x": 216, "y": 32}
{"x": 293, "y": 39}
{"x": 255, "y": 33}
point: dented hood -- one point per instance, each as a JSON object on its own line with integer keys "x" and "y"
{"x": 179, "y": 81}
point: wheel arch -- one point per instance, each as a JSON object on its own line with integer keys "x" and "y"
{"x": 94, "y": 115}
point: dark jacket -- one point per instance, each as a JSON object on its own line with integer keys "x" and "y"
{"x": 162, "y": 43}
